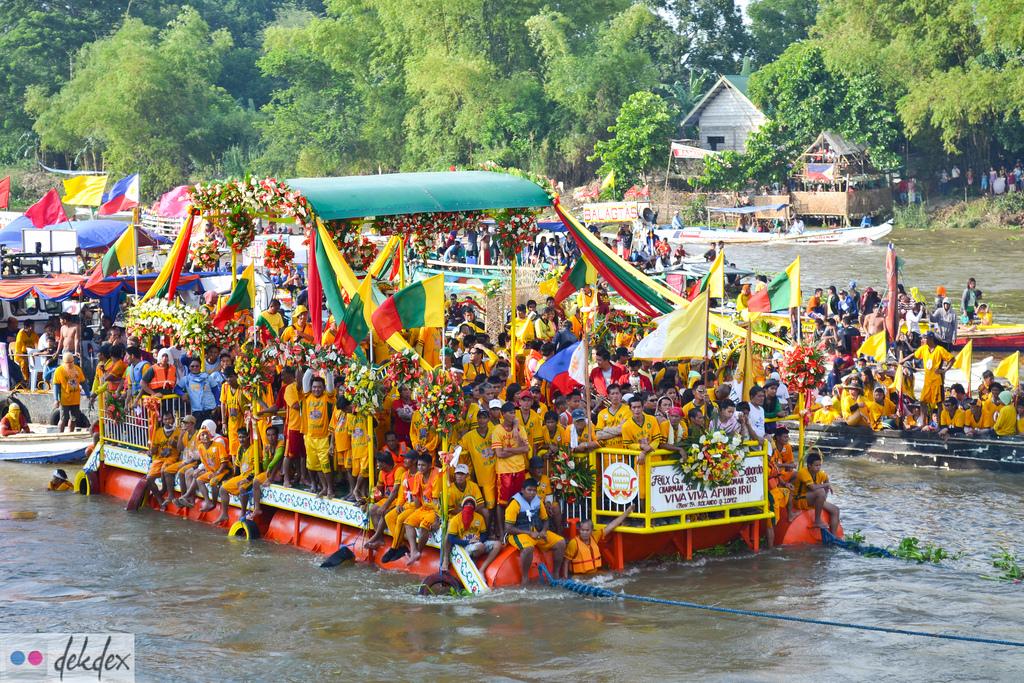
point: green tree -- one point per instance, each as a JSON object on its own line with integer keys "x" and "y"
{"x": 712, "y": 30}
{"x": 145, "y": 100}
{"x": 640, "y": 139}
{"x": 776, "y": 24}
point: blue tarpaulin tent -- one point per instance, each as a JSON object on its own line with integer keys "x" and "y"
{"x": 94, "y": 235}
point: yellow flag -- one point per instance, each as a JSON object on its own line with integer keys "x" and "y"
{"x": 793, "y": 273}
{"x": 84, "y": 190}
{"x": 716, "y": 277}
{"x": 747, "y": 362}
{"x": 964, "y": 360}
{"x": 609, "y": 181}
{"x": 874, "y": 347}
{"x": 1010, "y": 369}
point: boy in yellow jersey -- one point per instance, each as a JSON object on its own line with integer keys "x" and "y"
{"x": 476, "y": 444}
{"x": 951, "y": 418}
{"x": 317, "y": 401}
{"x": 881, "y": 409}
{"x": 342, "y": 441}
{"x": 553, "y": 434}
{"x": 526, "y": 519}
{"x": 187, "y": 456}
{"x": 476, "y": 367}
{"x": 977, "y": 420}
{"x": 300, "y": 329}
{"x": 469, "y": 530}
{"x": 530, "y": 420}
{"x": 459, "y": 486}
{"x": 422, "y": 438}
{"x": 245, "y": 481}
{"x": 511, "y": 448}
{"x": 580, "y": 435}
{"x": 294, "y": 465}
{"x": 611, "y": 418}
{"x": 1006, "y": 417}
{"x": 164, "y": 450}
{"x": 359, "y": 438}
{"x": 827, "y": 413}
{"x": 233, "y": 404}
{"x": 641, "y": 432}
{"x": 583, "y": 553}
{"x": 812, "y": 488}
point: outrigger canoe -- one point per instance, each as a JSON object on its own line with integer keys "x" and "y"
{"x": 919, "y": 449}
{"x": 705, "y": 235}
{"x": 44, "y": 445}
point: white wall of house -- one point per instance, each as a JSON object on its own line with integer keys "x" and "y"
{"x": 727, "y": 120}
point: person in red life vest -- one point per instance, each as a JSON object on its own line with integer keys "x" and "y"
{"x": 14, "y": 421}
{"x": 583, "y": 553}
{"x": 606, "y": 373}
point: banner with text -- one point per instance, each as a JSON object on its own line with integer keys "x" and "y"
{"x": 670, "y": 493}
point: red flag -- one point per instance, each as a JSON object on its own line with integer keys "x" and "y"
{"x": 5, "y": 193}
{"x": 47, "y": 211}
{"x": 315, "y": 291}
{"x": 95, "y": 277}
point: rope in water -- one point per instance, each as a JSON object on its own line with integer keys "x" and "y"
{"x": 827, "y": 538}
{"x": 598, "y": 592}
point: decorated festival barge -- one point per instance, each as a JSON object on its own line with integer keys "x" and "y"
{"x": 671, "y": 517}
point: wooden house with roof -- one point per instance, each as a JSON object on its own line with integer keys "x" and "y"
{"x": 725, "y": 117}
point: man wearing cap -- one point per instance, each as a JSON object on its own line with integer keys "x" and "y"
{"x": 477, "y": 444}
{"x": 511, "y": 449}
{"x": 459, "y": 487}
{"x": 300, "y": 329}
{"x": 67, "y": 389}
{"x": 827, "y": 413}
{"x": 59, "y": 482}
{"x": 978, "y": 420}
{"x": 582, "y": 438}
{"x": 467, "y": 528}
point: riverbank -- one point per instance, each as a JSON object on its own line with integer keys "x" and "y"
{"x": 1002, "y": 212}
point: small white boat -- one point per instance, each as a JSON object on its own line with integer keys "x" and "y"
{"x": 704, "y": 235}
{"x": 44, "y": 445}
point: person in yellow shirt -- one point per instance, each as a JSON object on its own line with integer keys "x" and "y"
{"x": 360, "y": 439}
{"x": 811, "y": 493}
{"x": 459, "y": 486}
{"x": 477, "y": 445}
{"x": 476, "y": 367}
{"x": 422, "y": 437}
{"x": 392, "y": 494}
{"x": 59, "y": 482}
{"x": 419, "y": 524}
{"x": 300, "y": 329}
{"x": 881, "y": 409}
{"x": 511, "y": 449}
{"x": 951, "y": 419}
{"x": 611, "y": 418}
{"x": 852, "y": 394}
{"x": 240, "y": 484}
{"x": 546, "y": 492}
{"x": 67, "y": 388}
{"x": 318, "y": 399}
{"x": 1006, "y": 417}
{"x": 294, "y": 445}
{"x": 342, "y": 441}
{"x": 553, "y": 434}
{"x": 827, "y": 413}
{"x": 936, "y": 360}
{"x": 977, "y": 420}
{"x": 469, "y": 530}
{"x": 216, "y": 465}
{"x": 273, "y": 318}
{"x": 641, "y": 432}
{"x": 526, "y": 519}
{"x": 529, "y": 419}
{"x": 25, "y": 341}
{"x": 233, "y": 404}
{"x": 163, "y": 451}
{"x": 545, "y": 327}
{"x": 583, "y": 553}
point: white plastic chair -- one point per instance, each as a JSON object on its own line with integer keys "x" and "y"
{"x": 37, "y": 367}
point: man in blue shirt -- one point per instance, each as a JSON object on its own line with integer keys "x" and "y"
{"x": 197, "y": 387}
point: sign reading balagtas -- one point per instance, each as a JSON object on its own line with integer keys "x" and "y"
{"x": 669, "y": 492}
{"x": 613, "y": 212}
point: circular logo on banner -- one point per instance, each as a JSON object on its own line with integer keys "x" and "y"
{"x": 621, "y": 484}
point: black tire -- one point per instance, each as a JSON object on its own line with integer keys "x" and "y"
{"x": 443, "y": 584}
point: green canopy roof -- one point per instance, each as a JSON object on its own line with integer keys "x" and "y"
{"x": 398, "y": 193}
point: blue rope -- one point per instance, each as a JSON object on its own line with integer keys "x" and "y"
{"x": 827, "y": 538}
{"x": 598, "y": 592}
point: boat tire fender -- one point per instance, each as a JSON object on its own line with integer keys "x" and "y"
{"x": 442, "y": 584}
{"x": 244, "y": 528}
{"x": 86, "y": 483}
{"x": 138, "y": 496}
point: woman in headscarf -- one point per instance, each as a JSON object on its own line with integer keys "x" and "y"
{"x": 14, "y": 421}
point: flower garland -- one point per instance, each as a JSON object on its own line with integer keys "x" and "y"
{"x": 570, "y": 478}
{"x": 231, "y": 207}
{"x": 278, "y": 257}
{"x": 441, "y": 400}
{"x": 363, "y": 389}
{"x": 420, "y": 230}
{"x": 803, "y": 368}
{"x": 513, "y": 230}
{"x": 714, "y": 460}
{"x": 253, "y": 371}
{"x": 156, "y": 317}
{"x": 356, "y": 249}
{"x": 404, "y": 371}
{"x": 205, "y": 253}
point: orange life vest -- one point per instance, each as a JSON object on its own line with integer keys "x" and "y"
{"x": 588, "y": 557}
{"x": 163, "y": 378}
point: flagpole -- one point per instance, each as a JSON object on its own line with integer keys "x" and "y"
{"x": 135, "y": 222}
{"x": 512, "y": 317}
{"x": 372, "y": 465}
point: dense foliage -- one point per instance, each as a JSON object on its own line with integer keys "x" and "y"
{"x": 567, "y": 89}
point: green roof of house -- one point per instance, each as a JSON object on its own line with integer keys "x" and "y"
{"x": 740, "y": 82}
{"x": 391, "y": 194}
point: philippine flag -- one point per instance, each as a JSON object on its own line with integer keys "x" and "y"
{"x": 565, "y": 369}
{"x": 123, "y": 195}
